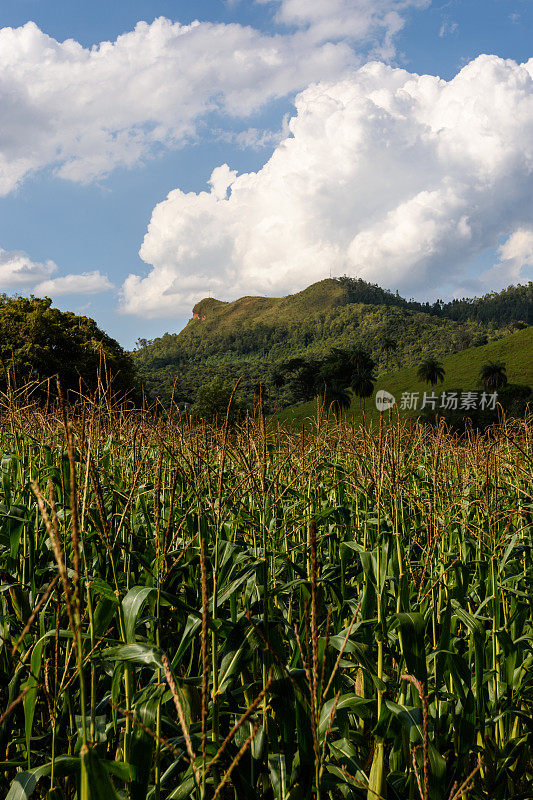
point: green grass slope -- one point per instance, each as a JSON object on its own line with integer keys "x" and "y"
{"x": 250, "y": 311}
{"x": 248, "y": 337}
{"x": 462, "y": 371}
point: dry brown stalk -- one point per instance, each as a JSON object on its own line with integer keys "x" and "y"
{"x": 47, "y": 690}
{"x": 314, "y": 620}
{"x": 247, "y": 714}
{"x": 131, "y": 716}
{"x": 417, "y": 776}
{"x": 56, "y": 642}
{"x": 130, "y": 498}
{"x": 95, "y": 480}
{"x": 53, "y": 533}
{"x": 11, "y": 707}
{"x": 36, "y": 610}
{"x": 466, "y": 784}
{"x": 171, "y": 515}
{"x": 75, "y": 528}
{"x": 157, "y": 495}
{"x": 87, "y": 658}
{"x": 181, "y": 716}
{"x": 454, "y": 787}
{"x": 425, "y": 715}
{"x": 235, "y": 761}
{"x": 341, "y": 651}
{"x": 205, "y": 657}
{"x": 361, "y": 783}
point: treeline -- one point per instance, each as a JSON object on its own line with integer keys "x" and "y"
{"x": 177, "y": 365}
{"x": 38, "y": 342}
{"x": 514, "y": 304}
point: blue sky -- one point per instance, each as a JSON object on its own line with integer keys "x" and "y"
{"x": 88, "y": 211}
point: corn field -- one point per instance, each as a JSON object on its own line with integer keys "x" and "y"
{"x": 199, "y": 612}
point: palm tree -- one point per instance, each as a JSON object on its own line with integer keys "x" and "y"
{"x": 363, "y": 384}
{"x": 492, "y": 376}
{"x": 362, "y": 378}
{"x": 361, "y": 360}
{"x": 431, "y": 371}
{"x": 389, "y": 345}
{"x": 337, "y": 397}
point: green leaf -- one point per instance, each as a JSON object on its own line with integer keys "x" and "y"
{"x": 184, "y": 790}
{"x": 278, "y": 775}
{"x": 132, "y": 605}
{"x": 410, "y": 717}
{"x": 412, "y": 627}
{"x": 228, "y": 667}
{"x": 30, "y": 699}
{"x": 142, "y": 743}
{"x": 22, "y": 786}
{"x": 350, "y": 702}
{"x": 98, "y": 781}
{"x": 24, "y": 783}
{"x": 136, "y": 653}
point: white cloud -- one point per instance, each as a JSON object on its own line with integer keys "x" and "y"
{"x": 356, "y": 20}
{"x": 398, "y": 178}
{"x": 515, "y": 263}
{"x": 83, "y": 283}
{"x": 18, "y": 270}
{"x": 448, "y": 28}
{"x": 254, "y": 138}
{"x": 87, "y": 111}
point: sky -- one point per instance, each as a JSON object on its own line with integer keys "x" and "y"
{"x": 153, "y": 152}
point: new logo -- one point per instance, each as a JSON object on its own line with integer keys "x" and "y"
{"x": 384, "y": 400}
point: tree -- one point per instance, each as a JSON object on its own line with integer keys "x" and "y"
{"x": 389, "y": 345}
{"x": 336, "y": 367}
{"x": 362, "y": 361}
{"x": 212, "y": 402}
{"x": 343, "y": 369}
{"x": 492, "y": 376}
{"x": 362, "y": 377}
{"x": 300, "y": 375}
{"x": 431, "y": 371}
{"x": 363, "y": 384}
{"x": 39, "y": 342}
{"x": 337, "y": 397}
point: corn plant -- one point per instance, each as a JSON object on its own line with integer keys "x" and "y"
{"x": 243, "y": 612}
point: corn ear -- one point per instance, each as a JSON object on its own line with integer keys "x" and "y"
{"x": 377, "y": 783}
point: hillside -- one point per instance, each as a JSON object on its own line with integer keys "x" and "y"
{"x": 249, "y": 337}
{"x": 462, "y": 372}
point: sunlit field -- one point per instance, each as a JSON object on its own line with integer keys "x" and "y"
{"x": 193, "y": 612}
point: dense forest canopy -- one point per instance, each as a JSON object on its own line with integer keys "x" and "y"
{"x": 252, "y": 337}
{"x": 38, "y": 342}
{"x": 514, "y": 304}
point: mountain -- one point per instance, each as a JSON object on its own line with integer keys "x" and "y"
{"x": 461, "y": 373}
{"x": 250, "y": 337}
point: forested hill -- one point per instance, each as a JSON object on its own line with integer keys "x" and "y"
{"x": 250, "y": 337}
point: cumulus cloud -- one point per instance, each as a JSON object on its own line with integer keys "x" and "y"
{"x": 18, "y": 270}
{"x": 87, "y": 111}
{"x": 515, "y": 263}
{"x": 394, "y": 177}
{"x": 83, "y": 283}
